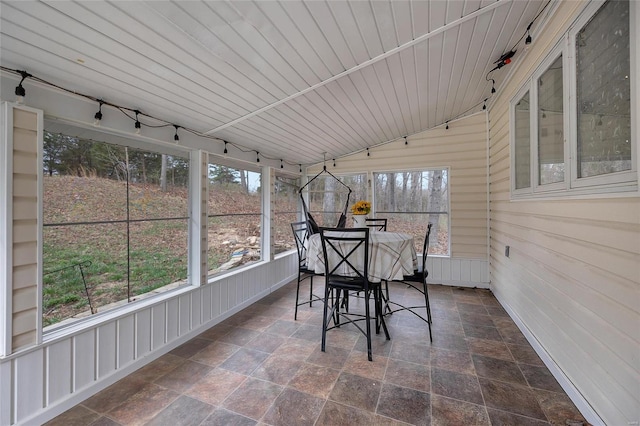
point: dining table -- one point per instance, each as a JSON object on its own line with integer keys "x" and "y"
{"x": 392, "y": 255}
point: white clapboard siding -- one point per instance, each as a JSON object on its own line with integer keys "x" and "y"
{"x": 571, "y": 281}
{"x": 51, "y": 378}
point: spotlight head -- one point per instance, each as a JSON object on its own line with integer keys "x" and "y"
{"x": 447, "y": 127}
{"x": 20, "y": 90}
{"x": 225, "y": 148}
{"x": 98, "y": 115}
{"x": 528, "y": 39}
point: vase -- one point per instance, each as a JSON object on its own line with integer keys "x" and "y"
{"x": 359, "y": 221}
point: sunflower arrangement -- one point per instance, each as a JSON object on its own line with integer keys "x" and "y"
{"x": 361, "y": 207}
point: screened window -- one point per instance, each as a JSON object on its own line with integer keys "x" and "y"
{"x": 412, "y": 199}
{"x": 285, "y": 211}
{"x": 550, "y": 125}
{"x": 115, "y": 225}
{"x": 603, "y": 92}
{"x": 522, "y": 146}
{"x": 235, "y": 216}
{"x": 328, "y": 197}
{"x": 574, "y": 114}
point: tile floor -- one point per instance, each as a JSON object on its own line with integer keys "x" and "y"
{"x": 262, "y": 367}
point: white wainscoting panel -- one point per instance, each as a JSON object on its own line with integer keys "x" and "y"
{"x": 458, "y": 272}
{"x": 53, "y": 377}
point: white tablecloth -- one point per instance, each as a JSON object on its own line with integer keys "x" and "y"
{"x": 392, "y": 255}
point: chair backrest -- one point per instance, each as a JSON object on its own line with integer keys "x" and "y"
{"x": 377, "y": 224}
{"x": 346, "y": 256}
{"x": 301, "y": 236}
{"x": 425, "y": 251}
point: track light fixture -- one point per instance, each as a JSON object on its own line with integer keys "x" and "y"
{"x": 98, "y": 115}
{"x": 447, "y": 127}
{"x": 257, "y": 157}
{"x": 493, "y": 86}
{"x": 138, "y": 125}
{"x": 368, "y": 153}
{"x": 484, "y": 105}
{"x": 300, "y": 168}
{"x": 406, "y": 141}
{"x": 528, "y": 39}
{"x": 176, "y": 137}
{"x": 226, "y": 151}
{"x": 20, "y": 92}
{"x": 281, "y": 165}
{"x": 334, "y": 162}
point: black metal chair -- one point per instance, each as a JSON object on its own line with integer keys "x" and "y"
{"x": 377, "y": 224}
{"x": 301, "y": 236}
{"x": 346, "y": 259}
{"x": 419, "y": 276}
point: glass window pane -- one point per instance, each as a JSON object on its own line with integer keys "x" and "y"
{"x": 550, "y": 125}
{"x": 603, "y": 92}
{"x": 522, "y": 147}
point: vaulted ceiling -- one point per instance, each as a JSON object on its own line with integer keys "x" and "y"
{"x": 291, "y": 79}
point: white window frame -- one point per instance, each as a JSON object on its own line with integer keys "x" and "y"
{"x": 613, "y": 183}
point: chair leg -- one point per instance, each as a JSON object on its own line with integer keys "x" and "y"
{"x": 310, "y": 290}
{"x": 324, "y": 316}
{"x": 295, "y": 315}
{"x": 426, "y": 301}
{"x": 381, "y": 313}
{"x": 368, "y": 325}
{"x": 386, "y": 305}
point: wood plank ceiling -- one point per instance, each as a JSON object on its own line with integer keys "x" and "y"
{"x": 291, "y": 79}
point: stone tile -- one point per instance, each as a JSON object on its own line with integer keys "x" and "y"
{"x": 215, "y": 354}
{"x": 489, "y": 348}
{"x": 266, "y": 342}
{"x": 222, "y": 417}
{"x": 253, "y": 398}
{"x": 497, "y": 311}
{"x": 258, "y": 322}
{"x": 344, "y": 338}
{"x": 513, "y": 334}
{"x": 525, "y": 354}
{"x": 482, "y": 332}
{"x": 411, "y": 352}
{"x": 356, "y": 391}
{"x": 334, "y": 414}
{"x": 104, "y": 421}
{"x": 498, "y": 369}
{"x": 456, "y": 385}
{"x": 332, "y": 357}
{"x": 558, "y": 407}
{"x": 407, "y": 374}
{"x": 451, "y": 342}
{"x": 143, "y": 406}
{"x": 215, "y": 332}
{"x": 239, "y": 336}
{"x": 158, "y": 367}
{"x": 277, "y": 369}
{"x": 184, "y": 411}
{"x": 460, "y": 362}
{"x": 296, "y": 348}
{"x": 540, "y": 377}
{"x": 313, "y": 333}
{"x": 182, "y": 377}
{"x": 216, "y": 386}
{"x": 445, "y": 326}
{"x": 244, "y": 361}
{"x": 503, "y": 418}
{"x": 76, "y": 416}
{"x": 476, "y": 319}
{"x": 449, "y": 412}
{"x": 109, "y": 398}
{"x": 294, "y": 408}
{"x": 404, "y": 404}
{"x": 511, "y": 397}
{"x": 471, "y": 308}
{"x": 315, "y": 380}
{"x": 190, "y": 348}
{"x": 282, "y": 328}
{"x": 358, "y": 363}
